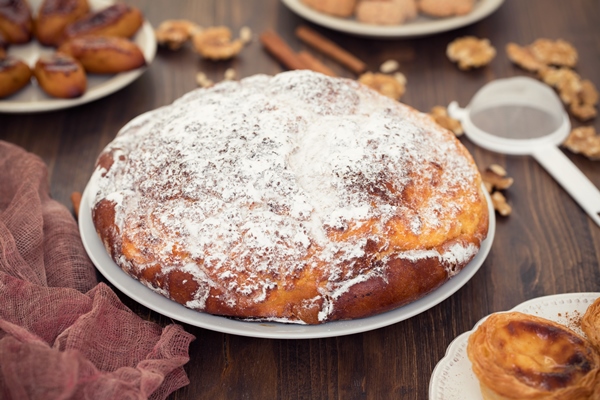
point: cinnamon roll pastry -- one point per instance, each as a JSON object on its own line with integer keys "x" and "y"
{"x": 15, "y": 21}
{"x": 116, "y": 20}
{"x": 60, "y": 75}
{"x": 104, "y": 54}
{"x": 54, "y": 16}
{"x": 518, "y": 356}
{"x": 14, "y": 75}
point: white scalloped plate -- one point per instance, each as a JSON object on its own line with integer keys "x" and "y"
{"x": 420, "y": 26}
{"x": 33, "y": 99}
{"x": 453, "y": 379}
{"x": 273, "y": 330}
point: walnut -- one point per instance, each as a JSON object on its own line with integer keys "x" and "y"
{"x": 580, "y": 95}
{"x": 494, "y": 179}
{"x": 524, "y": 58}
{"x": 559, "y": 52}
{"x": 495, "y": 176}
{"x": 216, "y": 44}
{"x": 203, "y": 81}
{"x": 229, "y": 74}
{"x": 245, "y": 35}
{"x": 500, "y": 204}
{"x": 470, "y": 52}
{"x": 174, "y": 33}
{"x": 390, "y": 86}
{"x": 582, "y": 111}
{"x": 584, "y": 140}
{"x": 588, "y": 93}
{"x": 440, "y": 115}
{"x": 389, "y": 66}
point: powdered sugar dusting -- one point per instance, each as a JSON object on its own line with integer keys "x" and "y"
{"x": 256, "y": 178}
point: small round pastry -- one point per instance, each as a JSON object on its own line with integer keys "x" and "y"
{"x": 519, "y": 356}
{"x": 297, "y": 198}
{"x": 15, "y": 21}
{"x": 14, "y": 75}
{"x": 104, "y": 54}
{"x": 54, "y": 16}
{"x": 60, "y": 75}
{"x": 116, "y": 20}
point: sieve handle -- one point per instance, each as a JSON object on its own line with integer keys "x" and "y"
{"x": 570, "y": 178}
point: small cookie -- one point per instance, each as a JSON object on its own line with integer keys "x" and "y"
{"x": 445, "y": 8}
{"x": 338, "y": 8}
{"x": 386, "y": 12}
{"x": 470, "y": 52}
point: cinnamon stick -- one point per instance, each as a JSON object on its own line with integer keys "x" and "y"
{"x": 329, "y": 48}
{"x": 279, "y": 49}
{"x": 314, "y": 64}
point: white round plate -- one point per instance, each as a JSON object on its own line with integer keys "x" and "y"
{"x": 453, "y": 378}
{"x": 274, "y": 330}
{"x": 420, "y": 26}
{"x": 33, "y": 99}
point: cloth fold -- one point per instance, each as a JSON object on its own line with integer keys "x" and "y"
{"x": 63, "y": 335}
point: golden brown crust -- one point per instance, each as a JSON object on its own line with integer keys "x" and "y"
{"x": 15, "y": 21}
{"x": 61, "y": 76}
{"x": 590, "y": 323}
{"x": 520, "y": 356}
{"x": 104, "y": 54}
{"x": 54, "y": 16}
{"x": 268, "y": 259}
{"x": 14, "y": 75}
{"x": 116, "y": 20}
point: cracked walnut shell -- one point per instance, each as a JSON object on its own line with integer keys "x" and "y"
{"x": 470, "y": 52}
{"x": 216, "y": 44}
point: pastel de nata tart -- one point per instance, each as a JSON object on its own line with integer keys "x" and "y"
{"x": 520, "y": 356}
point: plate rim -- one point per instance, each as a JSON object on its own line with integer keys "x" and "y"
{"x": 147, "y": 297}
{"x": 144, "y": 38}
{"x": 411, "y": 29}
{"x": 459, "y": 343}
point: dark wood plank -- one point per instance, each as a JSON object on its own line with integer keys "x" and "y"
{"x": 547, "y": 246}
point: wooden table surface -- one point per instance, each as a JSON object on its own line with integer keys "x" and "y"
{"x": 547, "y": 246}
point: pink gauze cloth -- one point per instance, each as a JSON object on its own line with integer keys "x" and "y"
{"x": 63, "y": 335}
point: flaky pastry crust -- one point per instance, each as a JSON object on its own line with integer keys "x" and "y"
{"x": 520, "y": 356}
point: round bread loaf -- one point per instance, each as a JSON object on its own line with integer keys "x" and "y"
{"x": 295, "y": 198}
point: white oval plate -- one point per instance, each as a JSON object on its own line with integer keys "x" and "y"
{"x": 453, "y": 378}
{"x": 274, "y": 330}
{"x": 33, "y": 99}
{"x": 420, "y": 26}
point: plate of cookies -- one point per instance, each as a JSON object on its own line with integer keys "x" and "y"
{"x": 395, "y": 18}
{"x": 56, "y": 55}
{"x": 545, "y": 347}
